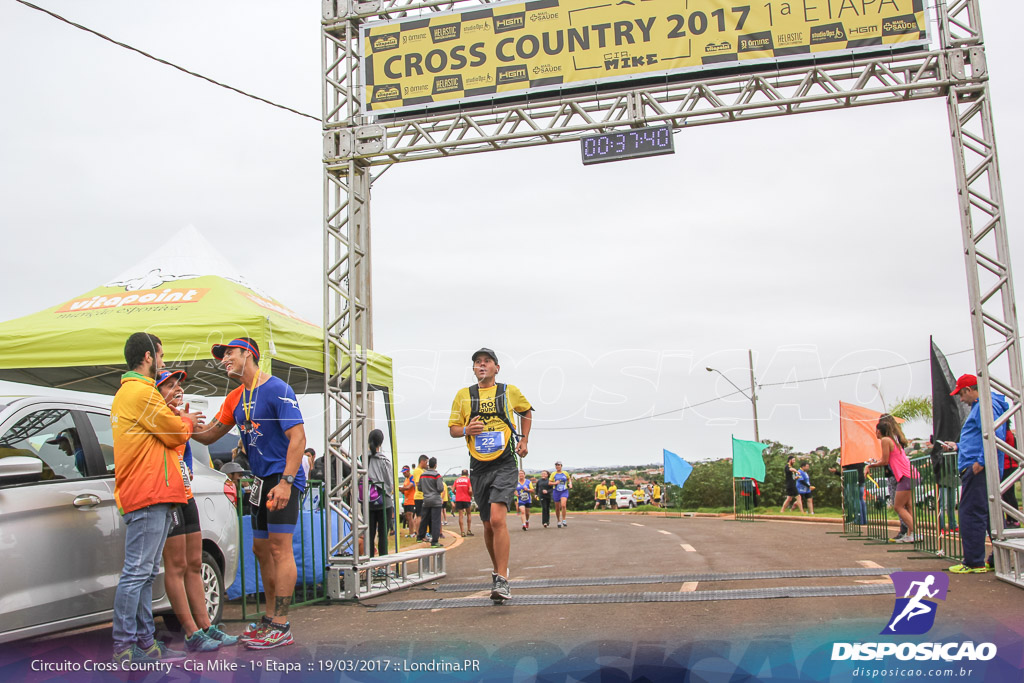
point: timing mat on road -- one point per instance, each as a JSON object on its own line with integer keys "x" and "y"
{"x": 604, "y": 599}
{"x": 672, "y": 578}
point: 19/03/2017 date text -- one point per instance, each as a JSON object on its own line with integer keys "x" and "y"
{"x": 356, "y": 665}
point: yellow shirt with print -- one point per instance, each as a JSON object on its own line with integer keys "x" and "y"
{"x": 638, "y": 495}
{"x": 656, "y": 493}
{"x": 416, "y": 480}
{"x": 601, "y": 492}
{"x": 494, "y": 426}
{"x": 444, "y": 493}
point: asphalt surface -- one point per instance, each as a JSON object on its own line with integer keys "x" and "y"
{"x": 622, "y": 545}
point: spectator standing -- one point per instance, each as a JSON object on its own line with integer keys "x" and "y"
{"x": 408, "y": 490}
{"x": 974, "y": 519}
{"x": 463, "y": 500}
{"x": 544, "y": 496}
{"x": 379, "y": 474}
{"x": 792, "y": 494}
{"x": 147, "y": 487}
{"x": 445, "y": 502}
{"x": 656, "y": 495}
{"x": 417, "y": 518}
{"x": 894, "y": 456}
{"x": 613, "y": 496}
{"x": 803, "y": 486}
{"x": 482, "y": 414}
{"x": 430, "y": 485}
{"x": 268, "y": 417}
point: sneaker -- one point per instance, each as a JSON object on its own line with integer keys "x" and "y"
{"x": 435, "y": 544}
{"x": 527, "y": 525}
{"x": 225, "y": 640}
{"x": 964, "y": 569}
{"x": 909, "y": 538}
{"x": 200, "y": 642}
{"x": 501, "y": 590}
{"x": 469, "y": 533}
{"x": 898, "y": 538}
{"x": 159, "y": 651}
{"x": 132, "y": 655}
{"x": 254, "y": 630}
{"x": 524, "y": 527}
{"x": 545, "y": 526}
{"x": 275, "y": 636}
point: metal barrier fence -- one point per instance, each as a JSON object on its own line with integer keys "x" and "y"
{"x": 746, "y": 499}
{"x": 876, "y": 490}
{"x": 310, "y": 534}
{"x": 936, "y": 497}
{"x": 854, "y": 508}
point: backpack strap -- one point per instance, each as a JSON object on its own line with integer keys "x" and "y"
{"x": 499, "y": 406}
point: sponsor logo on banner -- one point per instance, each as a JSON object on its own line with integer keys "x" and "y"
{"x": 412, "y": 38}
{"x": 141, "y": 297}
{"x": 510, "y": 22}
{"x": 546, "y": 69}
{"x": 512, "y": 74}
{"x": 900, "y": 25}
{"x": 914, "y": 614}
{"x": 415, "y": 90}
{"x": 864, "y": 30}
{"x": 441, "y": 34}
{"x": 384, "y": 42}
{"x": 724, "y": 46}
{"x": 443, "y": 84}
{"x": 386, "y": 92}
{"x": 479, "y": 81}
{"x": 786, "y": 39}
{"x": 755, "y": 42}
{"x": 543, "y": 16}
{"x": 829, "y": 33}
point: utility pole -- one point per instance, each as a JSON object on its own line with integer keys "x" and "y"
{"x": 753, "y": 393}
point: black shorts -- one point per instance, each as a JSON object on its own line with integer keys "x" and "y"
{"x": 184, "y": 519}
{"x": 417, "y": 508}
{"x": 791, "y": 489}
{"x": 462, "y": 504}
{"x": 807, "y": 496}
{"x": 408, "y": 508}
{"x": 494, "y": 485}
{"x": 265, "y": 522}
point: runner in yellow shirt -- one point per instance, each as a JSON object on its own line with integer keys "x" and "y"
{"x": 600, "y": 496}
{"x": 656, "y": 495}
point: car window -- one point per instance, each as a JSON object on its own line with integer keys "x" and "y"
{"x": 105, "y": 435}
{"x": 51, "y": 436}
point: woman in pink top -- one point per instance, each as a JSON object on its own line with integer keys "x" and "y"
{"x": 894, "y": 455}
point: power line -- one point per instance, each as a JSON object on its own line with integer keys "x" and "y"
{"x": 166, "y": 63}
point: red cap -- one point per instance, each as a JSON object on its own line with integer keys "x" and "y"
{"x": 963, "y": 382}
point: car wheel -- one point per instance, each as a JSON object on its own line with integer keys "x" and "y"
{"x": 213, "y": 588}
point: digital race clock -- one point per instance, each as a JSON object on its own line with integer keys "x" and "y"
{"x": 627, "y": 144}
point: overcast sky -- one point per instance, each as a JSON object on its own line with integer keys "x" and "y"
{"x": 828, "y": 243}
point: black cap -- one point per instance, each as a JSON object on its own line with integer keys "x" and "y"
{"x": 486, "y": 352}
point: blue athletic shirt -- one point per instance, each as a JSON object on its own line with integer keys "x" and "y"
{"x": 560, "y": 481}
{"x": 275, "y": 411}
{"x": 523, "y": 492}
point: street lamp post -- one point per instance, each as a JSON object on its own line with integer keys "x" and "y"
{"x": 753, "y": 391}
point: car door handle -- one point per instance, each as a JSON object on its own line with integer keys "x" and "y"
{"x": 86, "y": 500}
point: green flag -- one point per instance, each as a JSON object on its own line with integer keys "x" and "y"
{"x": 747, "y": 460}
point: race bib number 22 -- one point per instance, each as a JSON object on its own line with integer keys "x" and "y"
{"x": 489, "y": 442}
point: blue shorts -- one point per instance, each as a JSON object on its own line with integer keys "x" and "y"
{"x": 560, "y": 495}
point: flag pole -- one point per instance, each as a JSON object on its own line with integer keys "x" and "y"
{"x": 733, "y": 475}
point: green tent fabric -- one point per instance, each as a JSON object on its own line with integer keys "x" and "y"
{"x": 747, "y": 460}
{"x": 191, "y": 304}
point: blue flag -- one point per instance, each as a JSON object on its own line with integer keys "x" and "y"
{"x": 676, "y": 469}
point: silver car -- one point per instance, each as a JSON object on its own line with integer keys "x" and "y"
{"x": 61, "y": 536}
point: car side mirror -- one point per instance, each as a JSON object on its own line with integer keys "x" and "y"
{"x": 19, "y": 469}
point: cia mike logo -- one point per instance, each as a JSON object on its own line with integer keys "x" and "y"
{"x": 914, "y": 613}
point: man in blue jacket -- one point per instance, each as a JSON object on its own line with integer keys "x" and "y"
{"x": 971, "y": 464}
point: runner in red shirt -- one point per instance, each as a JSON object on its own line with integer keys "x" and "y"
{"x": 463, "y": 496}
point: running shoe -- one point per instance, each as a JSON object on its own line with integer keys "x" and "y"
{"x": 133, "y": 655}
{"x": 527, "y": 525}
{"x": 276, "y": 636}
{"x": 909, "y": 538}
{"x": 255, "y": 630}
{"x": 964, "y": 569}
{"x": 200, "y": 642}
{"x": 435, "y": 544}
{"x": 898, "y": 538}
{"x": 501, "y": 589}
{"x": 545, "y": 526}
{"x": 524, "y": 527}
{"x": 161, "y": 652}
{"x": 469, "y": 533}
{"x": 216, "y": 633}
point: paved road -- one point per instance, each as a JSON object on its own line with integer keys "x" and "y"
{"x": 620, "y": 545}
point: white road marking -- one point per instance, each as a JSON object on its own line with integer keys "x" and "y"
{"x": 873, "y": 581}
{"x": 635, "y": 524}
{"x": 688, "y": 587}
{"x": 688, "y": 548}
{"x": 662, "y": 531}
{"x": 604, "y": 520}
{"x": 869, "y": 564}
{"x": 543, "y": 566}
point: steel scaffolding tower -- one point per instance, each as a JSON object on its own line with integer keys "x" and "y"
{"x": 355, "y": 143}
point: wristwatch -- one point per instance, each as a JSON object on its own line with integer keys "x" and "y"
{"x": 288, "y": 479}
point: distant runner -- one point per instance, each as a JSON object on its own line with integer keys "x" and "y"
{"x": 463, "y": 502}
{"x": 524, "y": 496}
{"x": 562, "y": 482}
{"x": 600, "y": 495}
{"x": 483, "y": 415}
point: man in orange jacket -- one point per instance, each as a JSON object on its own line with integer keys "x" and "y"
{"x": 148, "y": 486}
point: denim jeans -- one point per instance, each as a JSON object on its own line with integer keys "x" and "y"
{"x": 145, "y": 532}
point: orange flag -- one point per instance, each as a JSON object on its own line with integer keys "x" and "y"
{"x": 857, "y": 440}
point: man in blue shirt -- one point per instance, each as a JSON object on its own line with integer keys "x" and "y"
{"x": 971, "y": 464}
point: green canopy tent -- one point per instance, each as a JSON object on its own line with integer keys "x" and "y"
{"x": 191, "y": 298}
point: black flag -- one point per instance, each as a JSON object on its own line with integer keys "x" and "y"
{"x": 948, "y": 412}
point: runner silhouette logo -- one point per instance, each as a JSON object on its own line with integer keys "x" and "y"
{"x": 914, "y": 612}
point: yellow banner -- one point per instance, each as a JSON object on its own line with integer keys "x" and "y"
{"x": 510, "y": 48}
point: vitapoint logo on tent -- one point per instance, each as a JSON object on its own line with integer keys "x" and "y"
{"x": 914, "y": 614}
